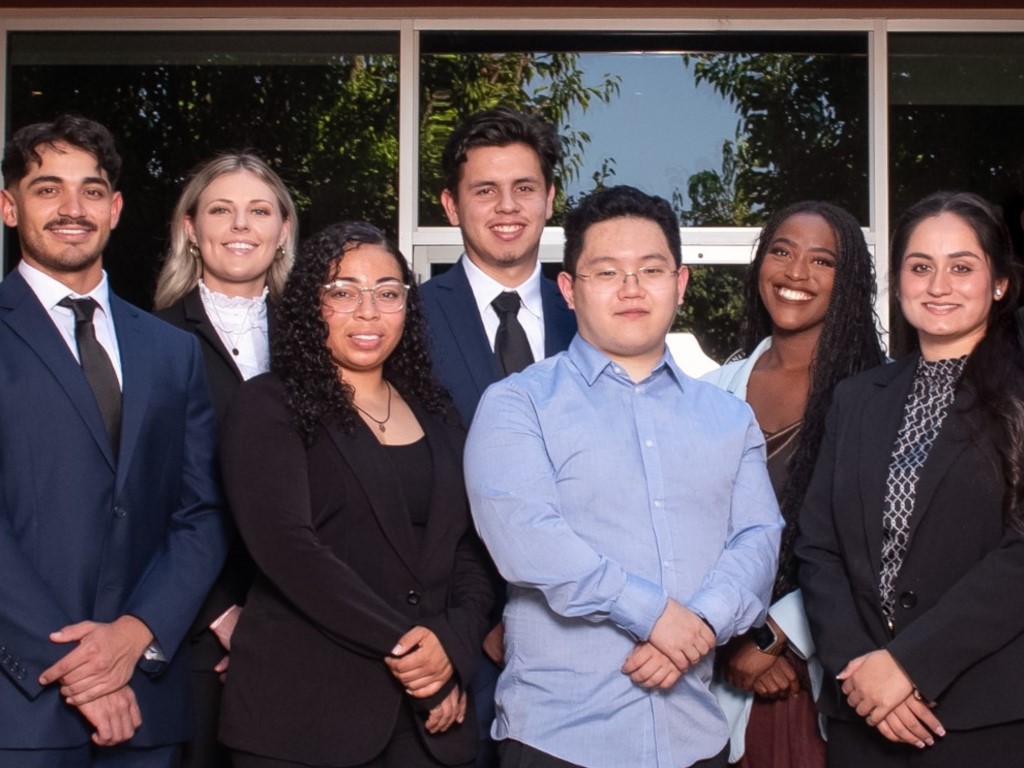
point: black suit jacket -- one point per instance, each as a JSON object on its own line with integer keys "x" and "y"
{"x": 460, "y": 350}
{"x": 341, "y": 579}
{"x": 959, "y": 625}
{"x": 223, "y": 376}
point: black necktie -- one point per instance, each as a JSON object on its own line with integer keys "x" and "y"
{"x": 510, "y": 345}
{"x": 97, "y": 366}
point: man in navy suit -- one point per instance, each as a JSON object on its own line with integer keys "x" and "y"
{"x": 499, "y": 168}
{"x": 110, "y": 519}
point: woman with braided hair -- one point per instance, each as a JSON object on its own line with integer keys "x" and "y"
{"x": 809, "y": 323}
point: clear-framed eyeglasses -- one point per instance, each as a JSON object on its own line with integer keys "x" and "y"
{"x": 345, "y": 296}
{"x": 611, "y": 279}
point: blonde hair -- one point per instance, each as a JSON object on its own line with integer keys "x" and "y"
{"x": 181, "y": 271}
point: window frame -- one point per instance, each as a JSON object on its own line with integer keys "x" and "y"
{"x": 427, "y": 245}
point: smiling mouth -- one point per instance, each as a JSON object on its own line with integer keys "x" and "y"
{"x": 70, "y": 228}
{"x": 792, "y": 294}
{"x": 239, "y": 246}
{"x": 939, "y": 307}
{"x": 507, "y": 229}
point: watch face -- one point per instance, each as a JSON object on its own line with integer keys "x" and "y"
{"x": 763, "y": 637}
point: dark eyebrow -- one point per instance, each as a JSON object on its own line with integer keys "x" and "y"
{"x": 58, "y": 180}
{"x": 492, "y": 183}
{"x": 957, "y": 255}
{"x": 792, "y": 244}
{"x": 380, "y": 280}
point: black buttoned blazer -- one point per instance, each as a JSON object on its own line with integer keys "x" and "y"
{"x": 341, "y": 579}
{"x": 223, "y": 376}
{"x": 959, "y": 624}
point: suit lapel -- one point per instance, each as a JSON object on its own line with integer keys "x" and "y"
{"x": 139, "y": 366}
{"x": 196, "y": 315}
{"x": 953, "y": 438}
{"x": 879, "y": 425}
{"x": 559, "y": 320}
{"x": 447, "y": 463}
{"x": 466, "y": 327}
{"x": 372, "y": 468}
{"x": 30, "y": 321}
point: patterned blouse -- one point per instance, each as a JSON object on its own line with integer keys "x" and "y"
{"x": 931, "y": 394}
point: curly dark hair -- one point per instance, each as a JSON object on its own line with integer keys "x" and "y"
{"x": 849, "y": 343}
{"x": 500, "y": 127}
{"x": 994, "y": 373}
{"x": 299, "y": 354}
{"x": 76, "y": 131}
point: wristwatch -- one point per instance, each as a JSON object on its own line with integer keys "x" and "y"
{"x": 767, "y": 641}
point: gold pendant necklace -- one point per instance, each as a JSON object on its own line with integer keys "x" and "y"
{"x": 380, "y": 424}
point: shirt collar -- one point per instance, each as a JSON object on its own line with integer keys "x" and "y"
{"x": 591, "y": 363}
{"x": 50, "y": 291}
{"x": 485, "y": 288}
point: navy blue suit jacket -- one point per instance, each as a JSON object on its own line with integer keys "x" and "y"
{"x": 87, "y": 535}
{"x": 461, "y": 352}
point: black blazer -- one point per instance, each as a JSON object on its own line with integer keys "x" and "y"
{"x": 959, "y": 625}
{"x": 223, "y": 375}
{"x": 460, "y": 350}
{"x": 341, "y": 579}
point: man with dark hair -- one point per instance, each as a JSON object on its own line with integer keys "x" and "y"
{"x": 630, "y": 510}
{"x": 494, "y": 313}
{"x": 110, "y": 519}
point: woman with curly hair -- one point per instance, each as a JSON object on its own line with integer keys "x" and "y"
{"x": 343, "y": 468}
{"x": 809, "y": 324}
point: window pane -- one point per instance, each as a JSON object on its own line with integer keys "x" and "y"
{"x": 726, "y": 125}
{"x": 713, "y": 307}
{"x": 956, "y": 106}
{"x": 321, "y": 108}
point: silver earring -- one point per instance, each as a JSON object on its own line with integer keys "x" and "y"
{"x": 998, "y": 293}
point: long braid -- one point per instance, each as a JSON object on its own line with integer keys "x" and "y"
{"x": 849, "y": 343}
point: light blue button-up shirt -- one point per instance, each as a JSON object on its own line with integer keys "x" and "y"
{"x": 599, "y": 498}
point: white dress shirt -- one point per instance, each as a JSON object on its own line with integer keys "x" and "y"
{"x": 531, "y": 314}
{"x": 49, "y": 291}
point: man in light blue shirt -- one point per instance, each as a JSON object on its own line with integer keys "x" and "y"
{"x": 630, "y": 510}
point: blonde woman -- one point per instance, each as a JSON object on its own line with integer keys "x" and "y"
{"x": 232, "y": 245}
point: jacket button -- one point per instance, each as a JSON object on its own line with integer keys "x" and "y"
{"x": 120, "y": 511}
{"x": 908, "y": 599}
{"x": 413, "y": 598}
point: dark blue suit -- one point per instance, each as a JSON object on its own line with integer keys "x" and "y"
{"x": 461, "y": 352}
{"x": 87, "y": 535}
{"x": 466, "y": 365}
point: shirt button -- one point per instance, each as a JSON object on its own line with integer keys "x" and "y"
{"x": 658, "y": 504}
{"x": 649, "y": 443}
{"x": 908, "y": 599}
{"x": 665, "y": 563}
{"x": 638, "y": 389}
{"x": 413, "y": 598}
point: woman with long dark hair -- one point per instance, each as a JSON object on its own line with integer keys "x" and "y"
{"x": 343, "y": 470}
{"x": 911, "y": 548}
{"x": 808, "y": 324}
